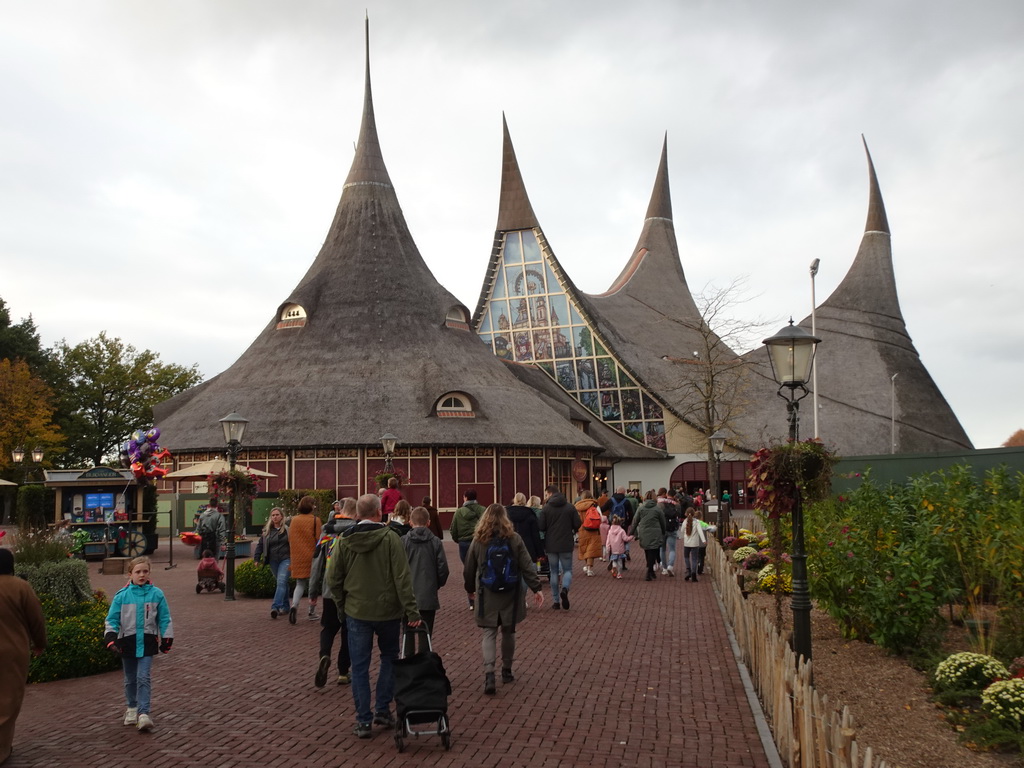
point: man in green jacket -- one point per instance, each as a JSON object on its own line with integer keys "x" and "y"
{"x": 368, "y": 573}
{"x": 464, "y": 524}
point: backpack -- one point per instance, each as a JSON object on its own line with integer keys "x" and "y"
{"x": 671, "y": 518}
{"x": 619, "y": 507}
{"x": 592, "y": 521}
{"x": 500, "y": 572}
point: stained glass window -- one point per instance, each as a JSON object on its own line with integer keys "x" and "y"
{"x": 529, "y": 317}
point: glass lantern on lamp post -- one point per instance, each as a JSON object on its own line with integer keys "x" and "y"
{"x": 234, "y": 429}
{"x": 387, "y": 442}
{"x": 791, "y": 353}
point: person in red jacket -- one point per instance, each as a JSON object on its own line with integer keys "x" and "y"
{"x": 389, "y": 499}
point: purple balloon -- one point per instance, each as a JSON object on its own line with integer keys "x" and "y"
{"x": 153, "y": 435}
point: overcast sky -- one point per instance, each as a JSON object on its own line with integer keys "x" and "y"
{"x": 168, "y": 171}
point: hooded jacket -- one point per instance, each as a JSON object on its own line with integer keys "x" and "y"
{"x": 368, "y": 574}
{"x": 138, "y": 619}
{"x": 524, "y": 520}
{"x": 428, "y": 566}
{"x": 649, "y": 525}
{"x": 559, "y": 521}
{"x": 465, "y": 519}
{"x": 318, "y": 586}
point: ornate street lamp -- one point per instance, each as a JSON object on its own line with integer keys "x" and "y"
{"x": 388, "y": 441}
{"x": 234, "y": 429}
{"x": 791, "y": 353}
{"x": 717, "y": 441}
{"x": 18, "y": 457}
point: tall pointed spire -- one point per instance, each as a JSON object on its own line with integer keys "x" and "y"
{"x": 877, "y": 221}
{"x": 514, "y": 209}
{"x": 368, "y": 164}
{"x": 660, "y": 206}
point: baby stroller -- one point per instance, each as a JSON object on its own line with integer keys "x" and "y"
{"x": 209, "y": 576}
{"x": 421, "y": 691}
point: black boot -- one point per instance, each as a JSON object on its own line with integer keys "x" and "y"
{"x": 506, "y": 675}
{"x": 489, "y": 685}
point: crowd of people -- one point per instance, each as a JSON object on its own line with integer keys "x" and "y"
{"x": 371, "y": 575}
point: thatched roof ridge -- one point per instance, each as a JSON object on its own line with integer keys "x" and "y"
{"x": 514, "y": 209}
{"x": 864, "y": 343}
{"x": 375, "y": 352}
{"x": 648, "y": 313}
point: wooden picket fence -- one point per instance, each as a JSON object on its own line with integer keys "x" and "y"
{"x": 809, "y": 730}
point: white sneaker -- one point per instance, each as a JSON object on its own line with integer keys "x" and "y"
{"x": 145, "y": 723}
{"x": 131, "y": 716}
{"x": 664, "y": 572}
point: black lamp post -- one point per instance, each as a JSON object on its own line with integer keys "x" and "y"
{"x": 717, "y": 441}
{"x": 18, "y": 457}
{"x": 234, "y": 429}
{"x": 388, "y": 441}
{"x": 791, "y": 353}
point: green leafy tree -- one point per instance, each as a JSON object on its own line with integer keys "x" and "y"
{"x": 20, "y": 341}
{"x": 108, "y": 390}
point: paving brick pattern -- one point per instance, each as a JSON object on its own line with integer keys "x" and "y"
{"x": 635, "y": 674}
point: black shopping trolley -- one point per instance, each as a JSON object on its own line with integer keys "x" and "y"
{"x": 421, "y": 691}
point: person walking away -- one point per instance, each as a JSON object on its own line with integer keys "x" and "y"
{"x": 303, "y": 535}
{"x": 273, "y": 549}
{"x": 369, "y": 576}
{"x": 624, "y": 506}
{"x": 435, "y": 519}
{"x": 428, "y": 565}
{"x": 708, "y": 531}
{"x": 463, "y": 524}
{"x": 212, "y": 528}
{"x": 617, "y": 541}
{"x": 399, "y": 519}
{"x": 559, "y": 520}
{"x": 389, "y": 499}
{"x": 497, "y": 564}
{"x": 649, "y": 530}
{"x": 524, "y": 521}
{"x": 589, "y": 533}
{"x": 693, "y": 536}
{"x": 138, "y": 625}
{"x": 331, "y": 620}
{"x": 668, "y": 549}
{"x": 22, "y": 635}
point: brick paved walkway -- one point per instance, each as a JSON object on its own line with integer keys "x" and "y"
{"x": 635, "y": 674}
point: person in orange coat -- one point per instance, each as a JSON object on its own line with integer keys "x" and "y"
{"x": 303, "y": 535}
{"x": 589, "y": 533}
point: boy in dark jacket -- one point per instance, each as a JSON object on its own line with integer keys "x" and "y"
{"x": 427, "y": 564}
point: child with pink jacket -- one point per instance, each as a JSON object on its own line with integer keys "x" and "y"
{"x": 616, "y": 542}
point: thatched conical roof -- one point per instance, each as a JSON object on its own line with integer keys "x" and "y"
{"x": 381, "y": 340}
{"x": 864, "y": 343}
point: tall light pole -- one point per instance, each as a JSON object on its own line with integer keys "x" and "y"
{"x": 717, "y": 441}
{"x": 234, "y": 429}
{"x": 892, "y": 421}
{"x": 814, "y": 332}
{"x": 791, "y": 353}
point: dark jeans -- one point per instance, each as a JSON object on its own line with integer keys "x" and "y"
{"x": 331, "y": 624}
{"x": 360, "y": 644}
{"x": 700, "y": 559}
{"x": 463, "y": 549}
{"x": 653, "y": 556}
{"x": 691, "y": 556}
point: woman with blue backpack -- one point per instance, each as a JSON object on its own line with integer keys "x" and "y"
{"x": 497, "y": 565}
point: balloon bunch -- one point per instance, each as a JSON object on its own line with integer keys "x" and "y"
{"x": 142, "y": 454}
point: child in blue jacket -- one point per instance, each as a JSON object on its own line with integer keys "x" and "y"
{"x": 138, "y": 625}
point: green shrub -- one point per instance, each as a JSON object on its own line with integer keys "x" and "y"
{"x": 1004, "y": 700}
{"x": 968, "y": 672}
{"x": 74, "y": 641}
{"x": 290, "y": 498}
{"x": 35, "y": 506}
{"x": 254, "y": 580}
{"x": 65, "y": 582}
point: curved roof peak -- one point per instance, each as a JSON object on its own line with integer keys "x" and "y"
{"x": 660, "y": 206}
{"x": 368, "y": 164}
{"x": 514, "y": 209}
{"x": 877, "y": 220}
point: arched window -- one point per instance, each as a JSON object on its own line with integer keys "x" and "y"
{"x": 457, "y": 317}
{"x": 455, "y": 405}
{"x": 292, "y": 316}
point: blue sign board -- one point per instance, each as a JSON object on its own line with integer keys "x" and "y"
{"x": 97, "y": 500}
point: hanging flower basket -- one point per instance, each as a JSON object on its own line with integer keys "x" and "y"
{"x": 776, "y": 472}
